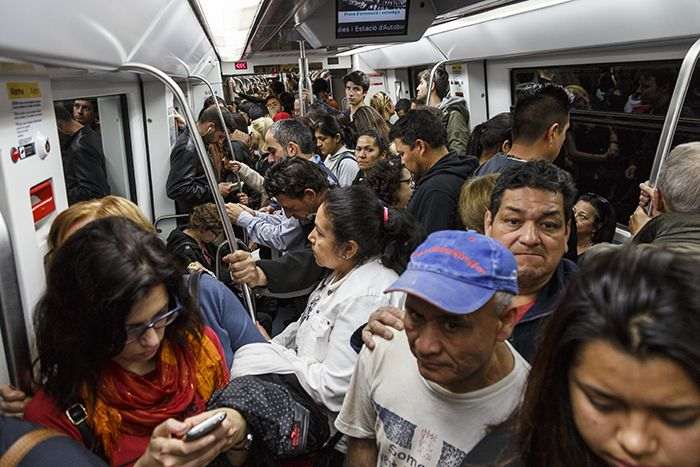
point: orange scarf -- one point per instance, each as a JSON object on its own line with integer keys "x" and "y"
{"x": 181, "y": 384}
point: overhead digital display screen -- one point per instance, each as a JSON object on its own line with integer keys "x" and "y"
{"x": 364, "y": 18}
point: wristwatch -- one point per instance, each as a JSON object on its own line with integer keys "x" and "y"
{"x": 245, "y": 445}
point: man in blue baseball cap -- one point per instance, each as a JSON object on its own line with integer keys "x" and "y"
{"x": 427, "y": 396}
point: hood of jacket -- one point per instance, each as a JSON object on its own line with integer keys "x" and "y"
{"x": 451, "y": 164}
{"x": 452, "y": 103}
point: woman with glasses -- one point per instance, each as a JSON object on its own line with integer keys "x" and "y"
{"x": 391, "y": 182}
{"x": 125, "y": 364}
{"x": 595, "y": 221}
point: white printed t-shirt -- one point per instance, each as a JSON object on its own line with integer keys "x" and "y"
{"x": 416, "y": 422}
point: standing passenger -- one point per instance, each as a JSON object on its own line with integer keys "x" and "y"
{"x": 371, "y": 147}
{"x": 420, "y": 139}
{"x": 356, "y": 87}
{"x": 331, "y": 140}
{"x": 455, "y": 115}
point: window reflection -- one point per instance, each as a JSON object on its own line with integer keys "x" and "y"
{"x": 619, "y": 111}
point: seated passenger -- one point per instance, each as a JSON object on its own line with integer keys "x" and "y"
{"x": 391, "y": 182}
{"x": 428, "y": 396}
{"x": 331, "y": 141}
{"x": 474, "y": 200}
{"x": 121, "y": 344}
{"x": 371, "y": 147}
{"x": 595, "y": 221}
{"x": 364, "y": 246}
{"x": 491, "y": 137}
{"x": 194, "y": 245}
{"x": 617, "y": 381}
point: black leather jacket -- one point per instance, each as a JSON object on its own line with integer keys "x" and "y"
{"x": 84, "y": 166}
{"x": 187, "y": 184}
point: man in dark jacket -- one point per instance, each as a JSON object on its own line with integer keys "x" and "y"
{"x": 420, "y": 139}
{"x": 455, "y": 116}
{"x": 83, "y": 161}
{"x": 299, "y": 186}
{"x": 187, "y": 184}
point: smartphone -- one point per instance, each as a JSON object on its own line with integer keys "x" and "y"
{"x": 205, "y": 427}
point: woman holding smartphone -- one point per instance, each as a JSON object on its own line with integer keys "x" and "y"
{"x": 123, "y": 354}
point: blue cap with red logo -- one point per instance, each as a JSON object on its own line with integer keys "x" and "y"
{"x": 458, "y": 271}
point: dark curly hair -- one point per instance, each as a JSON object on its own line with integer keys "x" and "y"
{"x": 384, "y": 179}
{"x": 291, "y": 176}
{"x": 206, "y": 217}
{"x": 94, "y": 280}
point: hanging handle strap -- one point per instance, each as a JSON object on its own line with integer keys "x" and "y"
{"x": 20, "y": 448}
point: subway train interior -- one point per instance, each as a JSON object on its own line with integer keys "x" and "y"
{"x": 138, "y": 73}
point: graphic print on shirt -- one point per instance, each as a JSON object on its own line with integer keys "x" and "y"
{"x": 405, "y": 444}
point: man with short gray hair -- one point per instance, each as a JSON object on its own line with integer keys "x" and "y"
{"x": 675, "y": 203}
{"x": 428, "y": 396}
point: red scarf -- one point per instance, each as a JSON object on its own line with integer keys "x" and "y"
{"x": 184, "y": 379}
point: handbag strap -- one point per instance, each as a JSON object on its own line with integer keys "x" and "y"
{"x": 21, "y": 447}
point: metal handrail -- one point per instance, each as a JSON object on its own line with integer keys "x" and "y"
{"x": 167, "y": 218}
{"x": 675, "y": 108}
{"x": 223, "y": 124}
{"x": 203, "y": 158}
{"x": 14, "y": 331}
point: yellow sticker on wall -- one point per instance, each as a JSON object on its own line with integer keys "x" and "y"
{"x": 23, "y": 91}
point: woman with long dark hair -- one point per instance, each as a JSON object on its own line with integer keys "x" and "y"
{"x": 617, "y": 380}
{"x": 332, "y": 141}
{"x": 121, "y": 344}
{"x": 371, "y": 147}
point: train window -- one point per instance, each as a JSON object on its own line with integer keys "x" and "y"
{"x": 619, "y": 111}
{"x": 95, "y": 147}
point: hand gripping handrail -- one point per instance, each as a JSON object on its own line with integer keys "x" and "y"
{"x": 203, "y": 158}
{"x": 675, "y": 108}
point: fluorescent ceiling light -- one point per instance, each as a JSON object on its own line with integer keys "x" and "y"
{"x": 229, "y": 22}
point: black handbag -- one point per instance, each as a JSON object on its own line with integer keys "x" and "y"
{"x": 283, "y": 419}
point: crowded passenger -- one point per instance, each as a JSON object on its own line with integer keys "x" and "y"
{"x": 491, "y": 137}
{"x": 474, "y": 201}
{"x": 364, "y": 246}
{"x": 391, "y": 182}
{"x": 402, "y": 107}
{"x": 420, "y": 139}
{"x": 85, "y": 113}
{"x": 125, "y": 364}
{"x": 616, "y": 381}
{"x": 322, "y": 93}
{"x": 428, "y": 396}
{"x": 84, "y": 166}
{"x": 371, "y": 147}
{"x": 273, "y": 105}
{"x": 187, "y": 183}
{"x": 332, "y": 141}
{"x": 455, "y": 115}
{"x": 381, "y": 102}
{"x": 675, "y": 203}
{"x": 595, "y": 221}
{"x": 356, "y": 86}
{"x": 529, "y": 213}
{"x": 367, "y": 118}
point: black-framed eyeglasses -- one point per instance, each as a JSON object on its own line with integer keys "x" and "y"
{"x": 159, "y": 321}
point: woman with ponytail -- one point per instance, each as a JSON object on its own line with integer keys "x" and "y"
{"x": 365, "y": 246}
